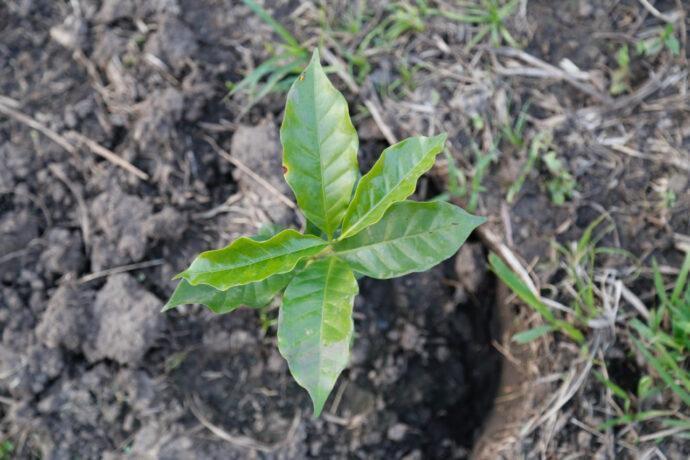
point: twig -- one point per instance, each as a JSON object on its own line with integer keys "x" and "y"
{"x": 653, "y": 84}
{"x": 68, "y": 146}
{"x": 550, "y": 71}
{"x": 31, "y": 123}
{"x": 658, "y": 158}
{"x": 374, "y": 107}
{"x": 493, "y": 241}
{"x": 245, "y": 169}
{"x": 656, "y": 13}
{"x": 663, "y": 433}
{"x": 120, "y": 269}
{"x": 78, "y": 196}
{"x": 378, "y": 119}
{"x": 339, "y": 67}
{"x": 108, "y": 155}
{"x": 239, "y": 440}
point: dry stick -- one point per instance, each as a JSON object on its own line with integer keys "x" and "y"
{"x": 68, "y": 146}
{"x": 339, "y": 67}
{"x": 243, "y": 441}
{"x": 31, "y": 123}
{"x": 108, "y": 155}
{"x": 656, "y": 13}
{"x": 83, "y": 212}
{"x": 653, "y": 84}
{"x": 245, "y": 169}
{"x": 374, "y": 106}
{"x": 371, "y": 103}
{"x": 552, "y": 71}
{"x": 120, "y": 269}
{"x": 661, "y": 159}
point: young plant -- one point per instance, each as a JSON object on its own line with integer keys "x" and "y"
{"x": 278, "y": 71}
{"x": 356, "y": 226}
{"x": 489, "y": 16}
{"x": 653, "y": 45}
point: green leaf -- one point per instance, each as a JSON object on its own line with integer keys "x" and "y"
{"x": 315, "y": 326}
{"x": 246, "y": 261}
{"x": 275, "y": 25}
{"x": 253, "y": 295}
{"x": 532, "y": 334}
{"x": 393, "y": 178}
{"x": 319, "y": 148}
{"x": 520, "y": 289}
{"x": 663, "y": 372}
{"x": 410, "y": 237}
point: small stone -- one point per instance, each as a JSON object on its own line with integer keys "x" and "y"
{"x": 585, "y": 9}
{"x": 70, "y": 34}
{"x": 397, "y": 432}
{"x": 411, "y": 338}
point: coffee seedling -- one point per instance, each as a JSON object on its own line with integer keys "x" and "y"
{"x": 356, "y": 226}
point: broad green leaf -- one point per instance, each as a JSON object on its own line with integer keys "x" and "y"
{"x": 319, "y": 148}
{"x": 246, "y": 261}
{"x": 410, "y": 237}
{"x": 315, "y": 326}
{"x": 393, "y": 178}
{"x": 253, "y": 295}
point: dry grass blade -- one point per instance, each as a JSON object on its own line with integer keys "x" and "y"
{"x": 567, "y": 391}
{"x": 101, "y": 151}
{"x": 121, "y": 269}
{"x": 550, "y": 71}
{"x": 33, "y": 124}
{"x": 656, "y": 13}
{"x": 241, "y": 166}
{"x": 66, "y": 144}
{"x": 79, "y": 197}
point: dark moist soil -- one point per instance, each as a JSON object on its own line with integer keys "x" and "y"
{"x": 89, "y": 368}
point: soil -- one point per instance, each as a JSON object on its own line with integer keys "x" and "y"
{"x": 89, "y": 368}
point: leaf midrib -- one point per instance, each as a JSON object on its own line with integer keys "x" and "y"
{"x": 256, "y": 261}
{"x": 413, "y": 235}
{"x": 322, "y": 186}
{"x": 321, "y": 322}
{"x": 376, "y": 206}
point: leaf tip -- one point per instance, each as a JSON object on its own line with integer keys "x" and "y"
{"x": 318, "y": 403}
{"x": 168, "y": 306}
{"x": 315, "y": 57}
{"x": 480, "y": 220}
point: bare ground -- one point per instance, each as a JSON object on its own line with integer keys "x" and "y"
{"x": 122, "y": 158}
